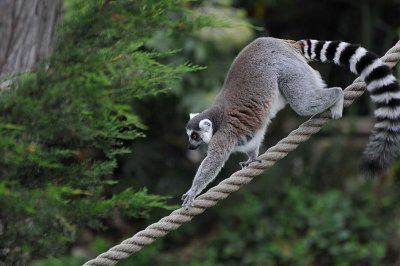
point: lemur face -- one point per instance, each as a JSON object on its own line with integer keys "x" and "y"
{"x": 201, "y": 135}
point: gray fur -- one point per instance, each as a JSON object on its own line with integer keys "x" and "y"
{"x": 266, "y": 73}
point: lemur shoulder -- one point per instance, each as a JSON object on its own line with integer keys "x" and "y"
{"x": 269, "y": 73}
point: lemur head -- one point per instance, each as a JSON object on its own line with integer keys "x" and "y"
{"x": 199, "y": 130}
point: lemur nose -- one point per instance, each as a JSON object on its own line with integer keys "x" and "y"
{"x": 192, "y": 147}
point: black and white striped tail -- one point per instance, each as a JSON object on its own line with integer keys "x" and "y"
{"x": 384, "y": 141}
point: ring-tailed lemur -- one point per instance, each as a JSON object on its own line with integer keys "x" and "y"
{"x": 269, "y": 73}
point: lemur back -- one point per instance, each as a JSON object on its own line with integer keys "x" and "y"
{"x": 251, "y": 94}
{"x": 267, "y": 74}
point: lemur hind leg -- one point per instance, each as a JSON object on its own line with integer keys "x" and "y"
{"x": 307, "y": 94}
{"x": 306, "y": 99}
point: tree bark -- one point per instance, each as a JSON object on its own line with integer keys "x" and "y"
{"x": 27, "y": 30}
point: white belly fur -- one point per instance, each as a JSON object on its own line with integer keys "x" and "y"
{"x": 277, "y": 104}
{"x": 253, "y": 143}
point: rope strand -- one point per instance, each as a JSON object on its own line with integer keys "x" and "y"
{"x": 180, "y": 216}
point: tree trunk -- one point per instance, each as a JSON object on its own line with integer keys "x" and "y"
{"x": 27, "y": 30}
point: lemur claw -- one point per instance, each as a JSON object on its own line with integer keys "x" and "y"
{"x": 243, "y": 164}
{"x": 188, "y": 199}
{"x": 247, "y": 163}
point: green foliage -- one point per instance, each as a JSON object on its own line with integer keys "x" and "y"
{"x": 87, "y": 126}
{"x": 63, "y": 127}
{"x": 297, "y": 225}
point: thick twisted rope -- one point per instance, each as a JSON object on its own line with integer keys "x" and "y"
{"x": 234, "y": 182}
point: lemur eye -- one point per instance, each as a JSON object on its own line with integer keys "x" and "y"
{"x": 194, "y": 136}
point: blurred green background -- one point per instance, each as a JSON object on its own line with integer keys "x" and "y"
{"x": 93, "y": 146}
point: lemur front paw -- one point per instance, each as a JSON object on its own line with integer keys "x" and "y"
{"x": 248, "y": 162}
{"x": 243, "y": 164}
{"x": 188, "y": 198}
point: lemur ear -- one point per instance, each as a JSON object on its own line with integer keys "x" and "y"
{"x": 205, "y": 125}
{"x": 193, "y": 115}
